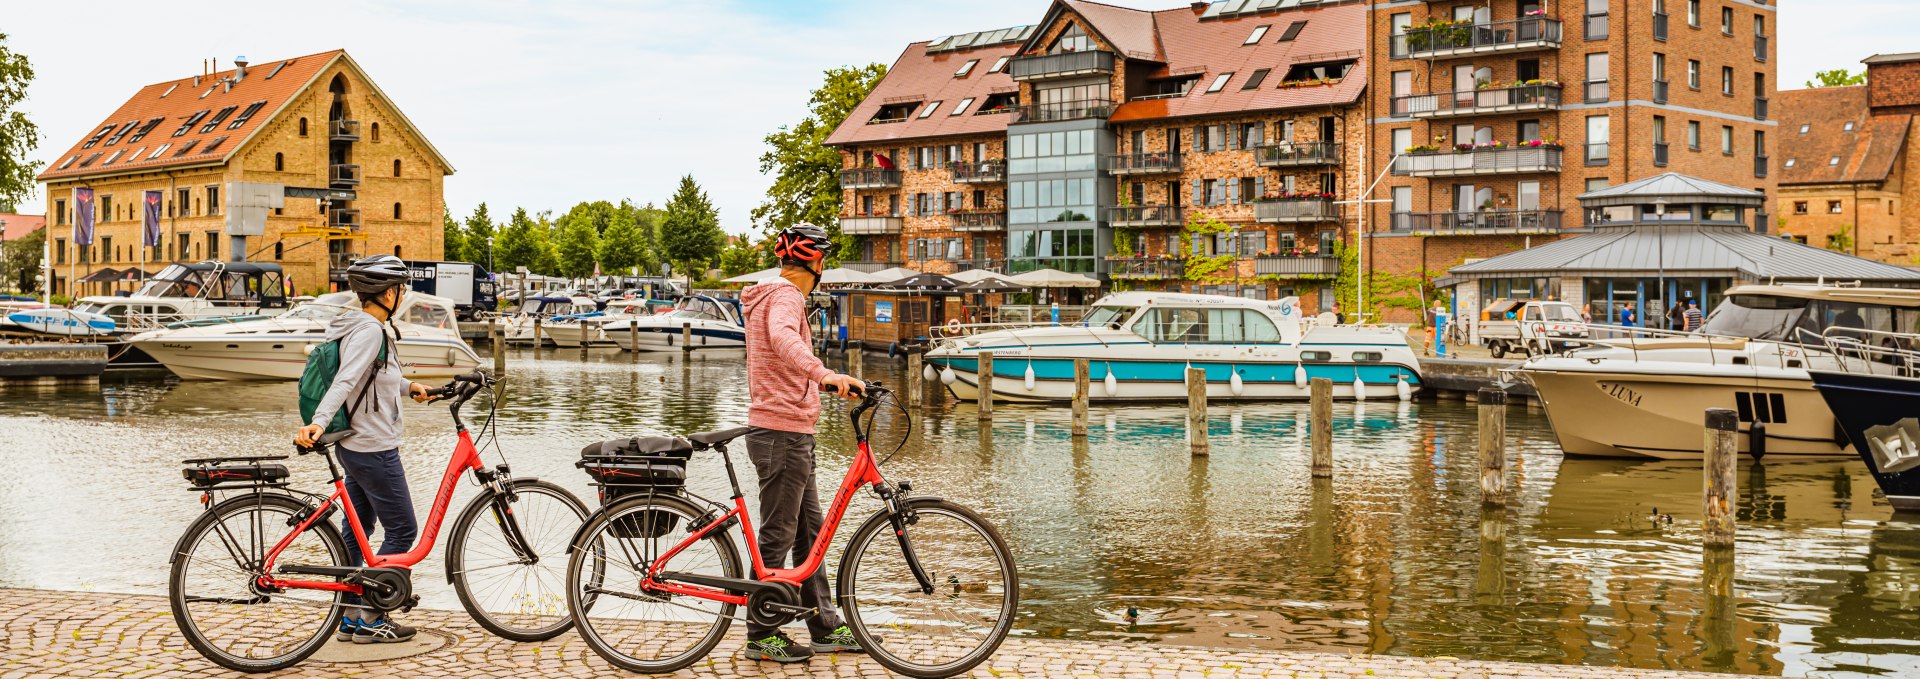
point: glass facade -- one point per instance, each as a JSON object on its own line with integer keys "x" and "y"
{"x": 1067, "y": 151}
{"x": 1055, "y": 192}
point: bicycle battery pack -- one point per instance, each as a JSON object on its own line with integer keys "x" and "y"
{"x": 620, "y": 467}
{"x": 235, "y": 472}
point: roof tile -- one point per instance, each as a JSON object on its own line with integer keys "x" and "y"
{"x": 1866, "y": 154}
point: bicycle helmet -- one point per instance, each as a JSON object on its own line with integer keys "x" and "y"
{"x": 802, "y": 244}
{"x": 375, "y": 274}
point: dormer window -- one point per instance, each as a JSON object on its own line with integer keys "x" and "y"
{"x": 999, "y": 103}
{"x": 1258, "y": 33}
{"x": 893, "y": 113}
{"x": 1331, "y": 70}
{"x": 965, "y": 68}
{"x": 1074, "y": 39}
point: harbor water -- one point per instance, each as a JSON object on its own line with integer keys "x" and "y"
{"x": 1123, "y": 535}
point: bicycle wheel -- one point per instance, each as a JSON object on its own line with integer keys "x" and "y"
{"x": 519, "y": 594}
{"x": 642, "y": 631}
{"x": 947, "y": 632}
{"x": 215, "y": 598}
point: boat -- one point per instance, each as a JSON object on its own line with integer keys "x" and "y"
{"x": 12, "y": 304}
{"x": 572, "y": 330}
{"x": 1643, "y": 393}
{"x": 518, "y": 328}
{"x": 711, "y": 322}
{"x": 1139, "y": 345}
{"x": 179, "y": 293}
{"x": 276, "y": 348}
{"x": 1874, "y": 393}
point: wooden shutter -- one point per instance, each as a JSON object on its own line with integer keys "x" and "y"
{"x": 1199, "y": 192}
{"x": 1259, "y": 188}
{"x": 1233, "y": 191}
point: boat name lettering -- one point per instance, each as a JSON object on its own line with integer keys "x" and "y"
{"x": 1621, "y": 393}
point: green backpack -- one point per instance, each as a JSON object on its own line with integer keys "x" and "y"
{"x": 323, "y": 363}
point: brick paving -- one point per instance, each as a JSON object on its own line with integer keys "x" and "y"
{"x": 73, "y": 634}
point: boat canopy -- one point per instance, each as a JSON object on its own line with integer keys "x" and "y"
{"x": 1787, "y": 313}
{"x": 221, "y": 283}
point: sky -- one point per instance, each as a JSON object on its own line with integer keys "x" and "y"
{"x": 545, "y": 104}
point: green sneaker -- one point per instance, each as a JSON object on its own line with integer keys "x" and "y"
{"x": 840, "y": 640}
{"x": 777, "y": 648}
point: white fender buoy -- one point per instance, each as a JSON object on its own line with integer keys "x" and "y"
{"x": 1234, "y": 384}
{"x": 947, "y": 376}
{"x": 1300, "y": 376}
{"x": 1359, "y": 389}
{"x": 926, "y": 371}
{"x": 1029, "y": 375}
{"x": 1112, "y": 385}
{"x": 1405, "y": 390}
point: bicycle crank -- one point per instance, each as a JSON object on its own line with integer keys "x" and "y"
{"x": 386, "y": 589}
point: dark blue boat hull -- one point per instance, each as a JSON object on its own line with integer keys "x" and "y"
{"x": 1862, "y": 402}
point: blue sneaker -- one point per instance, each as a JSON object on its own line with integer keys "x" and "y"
{"x": 348, "y": 627}
{"x": 382, "y": 631}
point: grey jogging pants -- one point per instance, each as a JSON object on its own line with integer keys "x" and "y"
{"x": 790, "y": 518}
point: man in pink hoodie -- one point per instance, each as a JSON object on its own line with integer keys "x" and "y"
{"x": 784, "y": 380}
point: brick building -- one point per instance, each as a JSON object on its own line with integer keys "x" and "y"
{"x": 1845, "y": 166}
{"x": 314, "y": 122}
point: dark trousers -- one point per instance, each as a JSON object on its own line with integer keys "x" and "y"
{"x": 790, "y": 518}
{"x": 377, "y": 486}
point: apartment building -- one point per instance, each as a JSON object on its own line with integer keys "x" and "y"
{"x": 363, "y": 179}
{"x": 1489, "y": 118}
{"x": 1846, "y": 163}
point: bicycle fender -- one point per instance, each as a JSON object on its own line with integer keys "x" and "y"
{"x": 180, "y": 544}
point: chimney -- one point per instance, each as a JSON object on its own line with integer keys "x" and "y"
{"x": 1893, "y": 83}
{"x": 239, "y": 68}
{"x": 1199, "y": 7}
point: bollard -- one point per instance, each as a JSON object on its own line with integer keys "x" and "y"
{"x": 856, "y": 362}
{"x": 1081, "y": 373}
{"x": 499, "y": 349}
{"x": 686, "y": 337}
{"x": 914, "y": 383}
{"x": 986, "y": 385}
{"x": 1493, "y": 447}
{"x": 1196, "y": 410}
{"x": 1321, "y": 428}
{"x": 586, "y": 337}
{"x": 633, "y": 339}
{"x": 1718, "y": 486}
{"x": 536, "y": 334}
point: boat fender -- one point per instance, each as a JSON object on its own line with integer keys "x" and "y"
{"x": 1757, "y": 440}
{"x": 891, "y": 347}
{"x": 1029, "y": 375}
{"x": 1300, "y": 376}
{"x": 1112, "y": 385}
{"x": 1405, "y": 390}
{"x": 1234, "y": 384}
{"x": 947, "y": 376}
{"x": 926, "y": 372}
{"x": 1359, "y": 389}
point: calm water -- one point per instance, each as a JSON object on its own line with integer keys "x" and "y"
{"x": 1241, "y": 549}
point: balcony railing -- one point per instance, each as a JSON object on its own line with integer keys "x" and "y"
{"x": 869, "y": 178}
{"x": 1760, "y": 167}
{"x": 979, "y": 172}
{"x": 1660, "y": 154}
{"x": 1598, "y": 153}
{"x": 1466, "y": 38}
{"x": 1523, "y": 160}
{"x": 1541, "y": 97}
{"x": 345, "y": 175}
{"x": 1295, "y": 211}
{"x": 1307, "y": 265}
{"x": 1152, "y": 162}
{"x": 1062, "y": 65}
{"x": 1759, "y": 48}
{"x": 343, "y": 218}
{"x": 870, "y": 224}
{"x": 1064, "y": 110}
{"x": 979, "y": 220}
{"x": 869, "y": 265}
{"x": 1146, "y": 269}
{"x": 341, "y": 260}
{"x": 1596, "y": 91}
{"x": 343, "y": 130}
{"x": 1297, "y": 154}
{"x": 1595, "y": 27}
{"x": 1477, "y": 222}
{"x": 995, "y": 265}
{"x": 1759, "y": 108}
{"x": 1659, "y": 91}
{"x": 1659, "y": 25}
{"x": 1146, "y": 215}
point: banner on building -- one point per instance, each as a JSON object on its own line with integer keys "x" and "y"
{"x": 83, "y": 216}
{"x": 150, "y": 229}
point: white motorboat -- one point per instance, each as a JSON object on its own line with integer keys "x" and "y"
{"x": 518, "y": 328}
{"x": 180, "y": 293}
{"x": 1640, "y": 396}
{"x": 711, "y": 322}
{"x": 1139, "y": 345}
{"x": 276, "y": 348}
{"x": 570, "y": 331}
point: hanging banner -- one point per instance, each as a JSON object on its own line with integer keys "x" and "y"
{"x": 150, "y": 234}
{"x": 83, "y": 216}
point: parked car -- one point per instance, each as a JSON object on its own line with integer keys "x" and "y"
{"x": 1531, "y": 327}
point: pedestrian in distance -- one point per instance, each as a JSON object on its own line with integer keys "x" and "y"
{"x": 1694, "y": 317}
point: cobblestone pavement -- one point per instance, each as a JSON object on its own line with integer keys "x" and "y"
{"x": 72, "y": 634}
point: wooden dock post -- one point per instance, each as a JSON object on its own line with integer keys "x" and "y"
{"x": 915, "y": 384}
{"x": 986, "y": 385}
{"x": 499, "y": 340}
{"x": 1493, "y": 446}
{"x": 1081, "y": 374}
{"x": 856, "y": 362}
{"x": 1717, "y": 489}
{"x": 586, "y": 337}
{"x": 1196, "y": 410}
{"x": 633, "y": 339}
{"x": 1321, "y": 428}
{"x": 536, "y": 334}
{"x": 686, "y": 337}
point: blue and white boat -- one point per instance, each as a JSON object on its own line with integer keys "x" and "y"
{"x": 1139, "y": 345}
{"x": 712, "y": 322}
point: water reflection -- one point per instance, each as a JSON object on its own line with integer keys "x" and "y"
{"x": 1123, "y": 534}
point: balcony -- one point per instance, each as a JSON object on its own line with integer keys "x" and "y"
{"x": 1062, "y": 65}
{"x": 345, "y": 175}
{"x": 979, "y": 172}
{"x": 1064, "y": 110}
{"x": 1760, "y": 167}
{"x": 868, "y": 225}
{"x": 1659, "y": 91}
{"x": 1154, "y": 162}
{"x": 343, "y": 130}
{"x": 868, "y": 265}
{"x": 1295, "y": 211}
{"x": 1143, "y": 269}
{"x": 1297, "y": 154}
{"x": 869, "y": 178}
{"x": 1487, "y": 161}
{"x": 1450, "y": 39}
{"x": 1660, "y": 154}
{"x": 1307, "y": 265}
{"x": 1146, "y": 215}
{"x": 1759, "y": 108}
{"x": 343, "y": 218}
{"x": 979, "y": 220}
{"x": 1477, "y": 222}
{"x": 1659, "y": 25}
{"x": 1760, "y": 48}
{"x": 1488, "y": 101}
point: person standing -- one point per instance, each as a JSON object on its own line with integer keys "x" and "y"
{"x": 1338, "y": 317}
{"x": 1694, "y": 317}
{"x": 1626, "y": 316}
{"x": 784, "y": 379}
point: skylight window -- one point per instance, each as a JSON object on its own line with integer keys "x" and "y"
{"x": 170, "y": 89}
{"x": 156, "y": 152}
{"x": 962, "y": 108}
{"x": 124, "y": 129}
{"x": 1791, "y": 162}
{"x": 90, "y": 159}
{"x": 276, "y": 69}
{"x": 1254, "y": 80}
{"x": 1805, "y": 127}
{"x": 217, "y": 119}
{"x": 144, "y": 129}
{"x": 210, "y": 90}
{"x": 1848, "y": 127}
{"x": 70, "y": 162}
{"x": 217, "y": 141}
{"x": 136, "y": 154}
{"x": 965, "y": 68}
{"x": 1293, "y": 31}
{"x": 1258, "y": 33}
{"x": 1219, "y": 81}
{"x": 114, "y": 157}
{"x": 999, "y": 65}
{"x": 187, "y": 126}
{"x": 930, "y": 108}
{"x": 184, "y": 150}
{"x": 1833, "y": 161}
{"x": 95, "y": 139}
{"x": 246, "y": 115}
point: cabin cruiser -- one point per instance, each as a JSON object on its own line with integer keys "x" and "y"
{"x": 10, "y": 304}
{"x": 179, "y": 293}
{"x": 1139, "y": 345}
{"x": 1644, "y": 396}
{"x": 1874, "y": 393}
{"x": 517, "y": 328}
{"x": 572, "y": 330}
{"x": 711, "y": 322}
{"x": 276, "y": 348}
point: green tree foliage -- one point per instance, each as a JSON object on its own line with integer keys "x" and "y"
{"x": 1838, "y": 77}
{"x": 1842, "y": 240}
{"x": 549, "y": 258}
{"x": 741, "y": 256}
{"x": 621, "y": 246}
{"x": 18, "y": 135}
{"x": 577, "y": 245}
{"x": 521, "y": 244}
{"x": 22, "y": 262}
{"x": 806, "y": 172}
{"x": 479, "y": 228}
{"x": 646, "y": 220}
{"x": 454, "y": 239}
{"x": 690, "y": 234}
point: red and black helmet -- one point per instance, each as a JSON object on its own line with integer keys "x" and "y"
{"x": 803, "y": 243}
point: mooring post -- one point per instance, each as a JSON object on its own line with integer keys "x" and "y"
{"x": 536, "y": 334}
{"x": 1320, "y": 393}
{"x": 1493, "y": 446}
{"x": 915, "y": 384}
{"x": 633, "y": 339}
{"x": 1717, "y": 489}
{"x": 1081, "y": 372}
{"x": 686, "y": 337}
{"x": 1197, "y": 410}
{"x": 856, "y": 362}
{"x": 499, "y": 340}
{"x": 587, "y": 329}
{"x": 986, "y": 385}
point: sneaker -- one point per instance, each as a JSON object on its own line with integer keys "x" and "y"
{"x": 348, "y": 626}
{"x": 382, "y": 631}
{"x": 777, "y": 648}
{"x": 840, "y": 640}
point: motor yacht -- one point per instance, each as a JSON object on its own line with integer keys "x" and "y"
{"x": 276, "y": 348}
{"x": 572, "y": 330}
{"x": 518, "y": 328}
{"x": 711, "y": 322}
{"x": 1874, "y": 393}
{"x": 179, "y": 293}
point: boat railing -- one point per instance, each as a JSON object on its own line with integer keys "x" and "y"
{"x": 1861, "y": 350}
{"x": 1630, "y": 337}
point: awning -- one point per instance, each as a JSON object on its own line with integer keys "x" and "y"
{"x": 925, "y": 281}
{"x": 1053, "y": 278}
{"x": 103, "y": 275}
{"x": 991, "y": 285}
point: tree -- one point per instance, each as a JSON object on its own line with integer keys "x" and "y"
{"x": 1842, "y": 240}
{"x": 646, "y": 220}
{"x": 480, "y": 229}
{"x": 621, "y": 246}
{"x": 806, "y": 172}
{"x": 18, "y": 135}
{"x": 576, "y": 247}
{"x": 22, "y": 262}
{"x": 453, "y": 239}
{"x": 1838, "y": 77}
{"x": 741, "y": 256}
{"x": 691, "y": 233}
{"x": 520, "y": 244}
{"x": 546, "y": 233}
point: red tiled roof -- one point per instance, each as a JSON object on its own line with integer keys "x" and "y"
{"x": 174, "y": 101}
{"x": 1867, "y": 154}
{"x": 1331, "y": 33}
{"x": 927, "y": 78}
{"x": 1130, "y": 31}
{"x": 20, "y": 226}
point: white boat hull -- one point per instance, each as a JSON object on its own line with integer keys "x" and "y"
{"x": 571, "y": 335}
{"x": 1661, "y": 414}
{"x": 660, "y": 337}
{"x": 284, "y": 358}
{"x": 62, "y": 322}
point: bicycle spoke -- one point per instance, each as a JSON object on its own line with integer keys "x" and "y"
{"x": 956, "y": 625}
{"x": 641, "y": 630}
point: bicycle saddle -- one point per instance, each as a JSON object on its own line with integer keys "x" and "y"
{"x": 709, "y": 439}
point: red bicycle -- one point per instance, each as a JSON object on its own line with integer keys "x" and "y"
{"x": 927, "y": 586}
{"x": 260, "y": 578}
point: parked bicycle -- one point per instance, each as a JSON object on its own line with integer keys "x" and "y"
{"x": 928, "y": 587}
{"x": 259, "y": 580}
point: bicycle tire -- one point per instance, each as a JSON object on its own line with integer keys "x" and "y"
{"x": 877, "y": 527}
{"x": 456, "y": 561}
{"x": 177, "y": 597}
{"x": 598, "y": 528}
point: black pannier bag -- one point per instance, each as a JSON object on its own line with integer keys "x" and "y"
{"x": 641, "y": 464}
{"x": 235, "y": 472}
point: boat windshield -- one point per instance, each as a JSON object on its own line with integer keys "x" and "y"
{"x": 1795, "y": 319}
{"x": 324, "y": 307}
{"x": 1108, "y": 316}
{"x": 172, "y": 281}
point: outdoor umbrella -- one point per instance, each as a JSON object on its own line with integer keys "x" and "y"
{"x": 844, "y": 276}
{"x": 1053, "y": 278}
{"x": 925, "y": 281}
{"x": 894, "y": 274}
{"x": 755, "y": 277}
{"x": 990, "y": 285}
{"x": 971, "y": 275}
{"x": 104, "y": 275}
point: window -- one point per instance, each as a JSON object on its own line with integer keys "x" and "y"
{"x": 966, "y": 68}
{"x": 280, "y": 162}
{"x": 1833, "y": 161}
{"x": 1693, "y": 135}
{"x": 999, "y": 65}
{"x": 1693, "y": 13}
{"x": 1726, "y": 20}
{"x": 278, "y": 251}
{"x": 961, "y": 108}
{"x": 1399, "y": 87}
{"x": 1074, "y": 39}
{"x": 1792, "y": 161}
{"x": 1693, "y": 74}
{"x": 1529, "y": 130}
{"x": 1399, "y": 23}
{"x": 1293, "y": 31}
{"x": 1659, "y": 140}
{"x": 185, "y": 204}
{"x": 396, "y": 167}
{"x": 1332, "y": 70}
{"x": 213, "y": 200}
{"x": 1251, "y": 135}
{"x": 217, "y": 119}
{"x": 97, "y": 136}
{"x": 1219, "y": 326}
{"x": 1254, "y": 80}
{"x": 1402, "y": 203}
{"x": 1833, "y": 207}
{"x": 1805, "y": 128}
{"x": 184, "y": 150}
{"x": 1258, "y": 33}
{"x": 106, "y": 208}
{"x": 1799, "y": 207}
{"x": 1597, "y": 77}
{"x": 1596, "y": 24}
{"x": 375, "y": 128}
{"x": 1726, "y": 139}
{"x": 303, "y": 127}
{"x": 144, "y": 129}
{"x": 1599, "y": 131}
{"x": 156, "y": 152}
{"x": 213, "y": 144}
{"x": 213, "y": 245}
{"x": 1402, "y": 140}
{"x": 61, "y": 251}
{"x": 246, "y": 115}
{"x": 396, "y": 210}
{"x": 191, "y": 121}
{"x": 930, "y": 108}
{"x": 1219, "y": 81}
{"x": 1726, "y": 80}
{"x": 1847, "y": 127}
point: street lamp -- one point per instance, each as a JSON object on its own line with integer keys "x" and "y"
{"x": 489, "y": 253}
